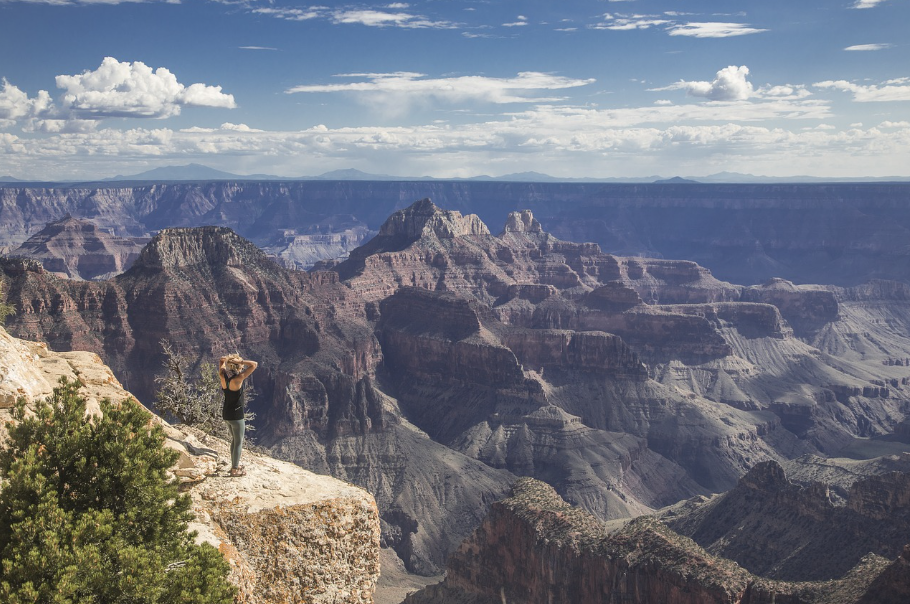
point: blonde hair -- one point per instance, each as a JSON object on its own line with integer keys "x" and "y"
{"x": 234, "y": 364}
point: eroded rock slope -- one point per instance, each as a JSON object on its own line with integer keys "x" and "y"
{"x": 535, "y": 548}
{"x": 440, "y": 360}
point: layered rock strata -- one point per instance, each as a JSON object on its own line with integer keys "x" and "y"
{"x": 440, "y": 360}
{"x": 290, "y": 536}
{"x": 210, "y": 292}
{"x": 533, "y": 547}
{"x": 745, "y": 233}
{"x": 78, "y": 249}
{"x": 777, "y": 529}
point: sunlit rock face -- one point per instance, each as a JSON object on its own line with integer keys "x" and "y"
{"x": 289, "y": 535}
{"x": 439, "y": 361}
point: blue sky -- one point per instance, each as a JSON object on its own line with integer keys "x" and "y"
{"x": 456, "y": 88}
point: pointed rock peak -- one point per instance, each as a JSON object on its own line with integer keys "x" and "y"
{"x": 424, "y": 219}
{"x": 766, "y": 476}
{"x": 184, "y": 247}
{"x": 522, "y": 222}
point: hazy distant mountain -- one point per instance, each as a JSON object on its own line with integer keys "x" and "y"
{"x": 527, "y": 177}
{"x": 676, "y": 180}
{"x": 736, "y": 177}
{"x": 9, "y": 179}
{"x": 541, "y": 177}
{"x": 354, "y": 174}
{"x": 188, "y": 172}
{"x": 198, "y": 172}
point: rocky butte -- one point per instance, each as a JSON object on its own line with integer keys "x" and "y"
{"x": 78, "y": 249}
{"x": 441, "y": 361}
{"x": 290, "y": 536}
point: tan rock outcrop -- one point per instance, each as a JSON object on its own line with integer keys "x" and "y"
{"x": 290, "y": 536}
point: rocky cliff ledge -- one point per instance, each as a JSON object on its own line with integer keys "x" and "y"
{"x": 291, "y": 536}
{"x": 535, "y": 548}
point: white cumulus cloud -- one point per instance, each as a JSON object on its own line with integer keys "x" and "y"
{"x": 16, "y": 104}
{"x": 730, "y": 84}
{"x": 122, "y": 89}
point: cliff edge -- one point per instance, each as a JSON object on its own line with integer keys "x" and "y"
{"x": 290, "y": 536}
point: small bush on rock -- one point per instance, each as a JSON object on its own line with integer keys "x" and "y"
{"x": 194, "y": 402}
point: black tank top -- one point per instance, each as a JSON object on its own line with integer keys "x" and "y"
{"x": 233, "y": 402}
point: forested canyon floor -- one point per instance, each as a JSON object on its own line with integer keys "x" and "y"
{"x": 439, "y": 362}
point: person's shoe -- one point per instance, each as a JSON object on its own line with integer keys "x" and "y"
{"x": 238, "y": 471}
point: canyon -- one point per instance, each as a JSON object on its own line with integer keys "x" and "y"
{"x": 438, "y": 363}
{"x": 840, "y": 234}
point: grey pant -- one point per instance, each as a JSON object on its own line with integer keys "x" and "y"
{"x": 237, "y": 428}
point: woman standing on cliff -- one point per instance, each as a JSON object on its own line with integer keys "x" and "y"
{"x": 232, "y": 370}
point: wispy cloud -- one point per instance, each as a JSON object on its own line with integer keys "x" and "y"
{"x": 257, "y": 48}
{"x": 520, "y": 21}
{"x": 292, "y": 14}
{"x": 376, "y": 18}
{"x": 390, "y": 15}
{"x": 629, "y": 22}
{"x": 868, "y": 47}
{"x": 890, "y": 90}
{"x": 713, "y": 30}
{"x": 617, "y": 22}
{"x": 520, "y": 89}
{"x": 75, "y": 2}
{"x": 867, "y": 3}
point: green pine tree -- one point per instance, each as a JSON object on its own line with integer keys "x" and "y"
{"x": 88, "y": 515}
